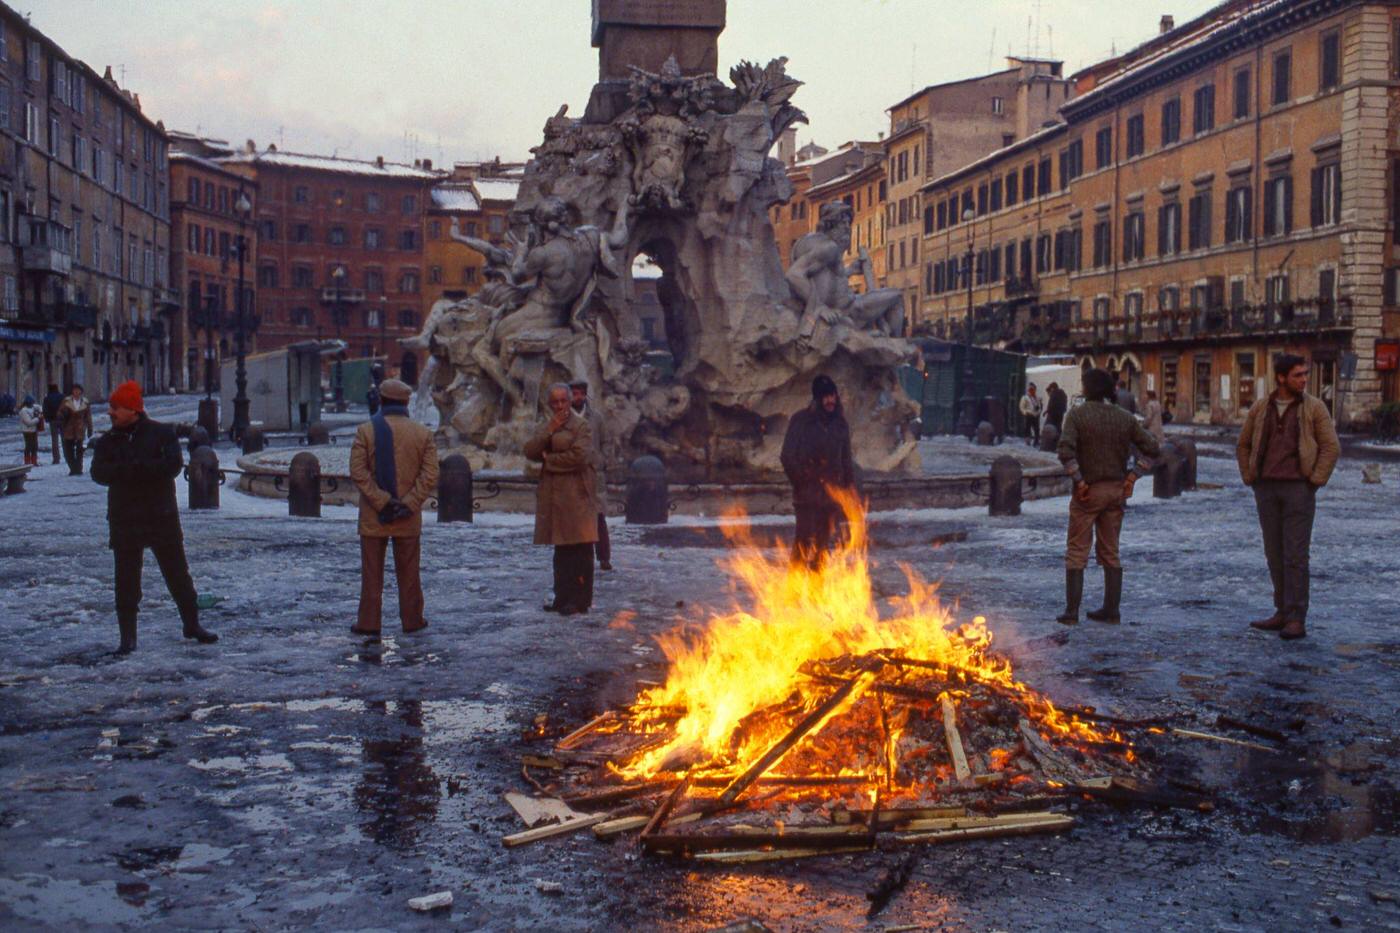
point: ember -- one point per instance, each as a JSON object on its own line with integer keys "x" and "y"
{"x": 832, "y": 722}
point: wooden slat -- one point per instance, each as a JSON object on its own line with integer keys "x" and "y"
{"x": 572, "y": 739}
{"x": 772, "y": 855}
{"x": 795, "y": 735}
{"x": 1023, "y": 828}
{"x": 625, "y": 824}
{"x": 535, "y": 810}
{"x": 555, "y": 829}
{"x": 955, "y": 746}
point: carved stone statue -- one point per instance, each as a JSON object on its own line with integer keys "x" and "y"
{"x": 820, "y": 279}
{"x": 675, "y": 167}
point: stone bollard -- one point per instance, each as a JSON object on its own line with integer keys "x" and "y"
{"x": 995, "y": 413}
{"x": 1005, "y": 497}
{"x": 304, "y": 486}
{"x": 209, "y": 417}
{"x": 986, "y": 434}
{"x": 1166, "y": 475}
{"x": 968, "y": 419}
{"x": 204, "y": 477}
{"x": 318, "y": 435}
{"x": 199, "y": 437}
{"x": 253, "y": 440}
{"x": 1371, "y": 473}
{"x": 647, "y": 495}
{"x": 454, "y": 493}
{"x": 1186, "y": 448}
{"x": 1049, "y": 438}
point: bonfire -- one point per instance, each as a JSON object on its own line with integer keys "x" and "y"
{"x": 818, "y": 720}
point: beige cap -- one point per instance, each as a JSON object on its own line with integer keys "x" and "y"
{"x": 395, "y": 390}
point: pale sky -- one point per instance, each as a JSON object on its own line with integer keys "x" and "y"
{"x": 456, "y": 80}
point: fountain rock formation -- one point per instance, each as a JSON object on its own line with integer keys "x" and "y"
{"x": 674, "y": 166}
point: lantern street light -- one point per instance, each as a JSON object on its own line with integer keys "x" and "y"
{"x": 243, "y": 207}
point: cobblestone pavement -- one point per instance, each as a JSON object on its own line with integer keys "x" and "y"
{"x": 292, "y": 777}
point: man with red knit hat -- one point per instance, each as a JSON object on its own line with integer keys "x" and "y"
{"x": 138, "y": 461}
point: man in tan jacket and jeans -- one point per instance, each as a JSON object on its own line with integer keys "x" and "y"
{"x": 1286, "y": 452}
{"x": 394, "y": 465}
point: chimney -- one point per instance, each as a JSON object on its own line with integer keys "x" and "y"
{"x": 428, "y": 165}
{"x": 379, "y": 161}
{"x": 1168, "y": 23}
{"x": 250, "y": 147}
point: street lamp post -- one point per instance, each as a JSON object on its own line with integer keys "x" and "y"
{"x": 337, "y": 373}
{"x": 383, "y": 327}
{"x": 968, "y": 369}
{"x": 242, "y": 207}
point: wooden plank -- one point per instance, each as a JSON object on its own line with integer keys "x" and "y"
{"x": 970, "y": 822}
{"x": 625, "y": 824}
{"x": 684, "y": 844}
{"x": 535, "y": 810}
{"x": 555, "y": 829}
{"x": 896, "y": 814}
{"x": 573, "y": 738}
{"x": 1192, "y": 734}
{"x": 658, "y": 818}
{"x": 809, "y": 722}
{"x": 1051, "y": 761}
{"x": 1024, "y": 828}
{"x": 955, "y": 745}
{"x": 772, "y": 855}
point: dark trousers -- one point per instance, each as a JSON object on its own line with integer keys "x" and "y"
{"x": 603, "y": 547}
{"x": 407, "y": 552}
{"x": 55, "y": 440}
{"x": 31, "y": 444}
{"x": 1286, "y": 509}
{"x": 73, "y": 455}
{"x": 170, "y": 557}
{"x": 816, "y": 527}
{"x": 573, "y": 575}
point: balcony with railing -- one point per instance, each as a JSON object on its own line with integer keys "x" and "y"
{"x": 47, "y": 246}
{"x": 347, "y": 296}
{"x": 1288, "y": 318}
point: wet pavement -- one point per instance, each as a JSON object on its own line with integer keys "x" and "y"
{"x": 293, "y": 777}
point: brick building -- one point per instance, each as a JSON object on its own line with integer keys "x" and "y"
{"x": 205, "y": 226}
{"x": 84, "y": 224}
{"x": 340, "y": 250}
{"x": 945, "y": 126}
{"x": 1223, "y": 192}
{"x": 478, "y": 196}
{"x": 853, "y": 173}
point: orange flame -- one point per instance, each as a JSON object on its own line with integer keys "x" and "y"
{"x": 727, "y": 677}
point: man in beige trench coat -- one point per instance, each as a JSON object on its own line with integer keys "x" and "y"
{"x": 394, "y": 465}
{"x": 566, "y": 505}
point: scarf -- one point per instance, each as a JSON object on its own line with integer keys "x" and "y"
{"x": 385, "y": 472}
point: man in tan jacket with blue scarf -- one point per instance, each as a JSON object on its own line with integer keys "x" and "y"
{"x": 394, "y": 465}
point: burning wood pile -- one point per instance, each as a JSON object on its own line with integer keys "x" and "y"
{"x": 816, "y": 723}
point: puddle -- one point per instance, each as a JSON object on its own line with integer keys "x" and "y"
{"x": 54, "y": 903}
{"x": 149, "y": 857}
{"x": 1305, "y": 799}
{"x": 398, "y": 791}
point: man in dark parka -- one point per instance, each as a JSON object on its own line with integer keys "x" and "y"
{"x": 138, "y": 460}
{"x": 817, "y": 460}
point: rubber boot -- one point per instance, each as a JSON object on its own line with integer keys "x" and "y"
{"x": 127, "y": 626}
{"x": 1112, "y": 597}
{"x": 1074, "y": 594}
{"x": 196, "y": 631}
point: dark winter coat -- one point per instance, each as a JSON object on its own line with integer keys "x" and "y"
{"x": 1057, "y": 403}
{"x": 566, "y": 500}
{"x": 817, "y": 454}
{"x": 51, "y": 403}
{"x": 138, "y": 466}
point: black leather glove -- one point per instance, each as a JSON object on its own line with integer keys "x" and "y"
{"x": 394, "y": 511}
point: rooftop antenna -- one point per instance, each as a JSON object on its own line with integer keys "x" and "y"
{"x": 1035, "y": 52}
{"x": 992, "y": 50}
{"x": 913, "y": 66}
{"x": 1050, "y": 37}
